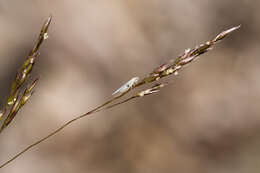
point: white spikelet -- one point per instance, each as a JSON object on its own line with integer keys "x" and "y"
{"x": 127, "y": 86}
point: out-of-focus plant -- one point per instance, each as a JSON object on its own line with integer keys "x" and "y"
{"x": 19, "y": 96}
{"x": 166, "y": 69}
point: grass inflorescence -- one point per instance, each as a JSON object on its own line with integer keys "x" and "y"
{"x": 171, "y": 67}
{"x": 18, "y": 96}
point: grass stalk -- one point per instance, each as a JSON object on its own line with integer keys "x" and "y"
{"x": 166, "y": 69}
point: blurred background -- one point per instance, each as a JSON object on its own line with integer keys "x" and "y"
{"x": 206, "y": 121}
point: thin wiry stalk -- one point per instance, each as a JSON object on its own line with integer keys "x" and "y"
{"x": 19, "y": 97}
{"x": 172, "y": 67}
{"x": 98, "y": 109}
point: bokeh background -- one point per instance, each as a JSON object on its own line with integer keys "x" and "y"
{"x": 206, "y": 121}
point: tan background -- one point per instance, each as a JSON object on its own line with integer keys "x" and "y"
{"x": 207, "y": 121}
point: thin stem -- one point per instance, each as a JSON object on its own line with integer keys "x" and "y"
{"x": 97, "y": 109}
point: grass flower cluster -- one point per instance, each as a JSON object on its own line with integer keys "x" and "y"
{"x": 19, "y": 96}
{"x": 166, "y": 69}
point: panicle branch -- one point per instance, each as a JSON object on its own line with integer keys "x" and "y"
{"x": 17, "y": 97}
{"x": 173, "y": 66}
